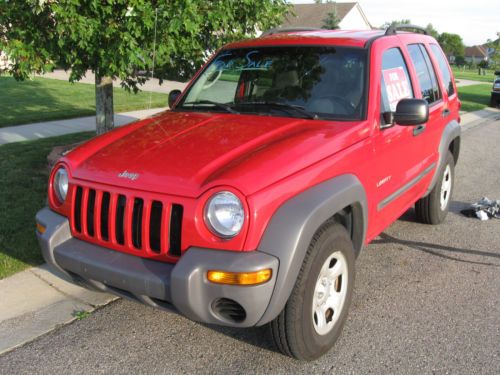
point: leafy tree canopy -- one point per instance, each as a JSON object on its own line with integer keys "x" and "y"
{"x": 460, "y": 60}
{"x": 116, "y": 38}
{"x": 494, "y": 47}
{"x": 432, "y": 31}
{"x": 451, "y": 44}
{"x": 394, "y": 23}
{"x": 119, "y": 38}
{"x": 331, "y": 22}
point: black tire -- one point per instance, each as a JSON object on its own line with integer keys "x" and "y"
{"x": 428, "y": 209}
{"x": 293, "y": 331}
{"x": 494, "y": 102}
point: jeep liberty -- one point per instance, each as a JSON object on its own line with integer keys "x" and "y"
{"x": 247, "y": 203}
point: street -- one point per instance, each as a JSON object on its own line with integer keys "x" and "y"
{"x": 427, "y": 300}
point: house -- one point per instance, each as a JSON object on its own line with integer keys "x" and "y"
{"x": 4, "y": 61}
{"x": 489, "y": 49}
{"x": 350, "y": 15}
{"x": 476, "y": 54}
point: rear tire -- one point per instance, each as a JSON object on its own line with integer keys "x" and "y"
{"x": 433, "y": 208}
{"x": 316, "y": 311}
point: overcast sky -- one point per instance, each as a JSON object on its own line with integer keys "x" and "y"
{"x": 474, "y": 20}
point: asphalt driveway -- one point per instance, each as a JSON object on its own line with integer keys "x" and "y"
{"x": 427, "y": 300}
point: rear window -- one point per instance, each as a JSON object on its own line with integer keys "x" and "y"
{"x": 425, "y": 73}
{"x": 443, "y": 67}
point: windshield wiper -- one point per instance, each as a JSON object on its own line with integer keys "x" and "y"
{"x": 223, "y": 106}
{"x": 285, "y": 107}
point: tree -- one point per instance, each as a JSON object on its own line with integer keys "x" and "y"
{"x": 394, "y": 23}
{"x": 451, "y": 44}
{"x": 331, "y": 22}
{"x": 116, "y": 39}
{"x": 494, "y": 49}
{"x": 432, "y": 31}
{"x": 460, "y": 60}
{"x": 482, "y": 64}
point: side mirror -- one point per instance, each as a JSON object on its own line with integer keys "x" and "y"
{"x": 411, "y": 112}
{"x": 172, "y": 97}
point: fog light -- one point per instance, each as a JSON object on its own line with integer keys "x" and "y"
{"x": 40, "y": 228}
{"x": 240, "y": 278}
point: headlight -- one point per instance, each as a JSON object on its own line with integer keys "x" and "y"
{"x": 61, "y": 184}
{"x": 224, "y": 214}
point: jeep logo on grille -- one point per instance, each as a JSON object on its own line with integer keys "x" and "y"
{"x": 130, "y": 176}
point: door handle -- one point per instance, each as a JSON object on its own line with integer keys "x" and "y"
{"x": 419, "y": 129}
{"x": 446, "y": 112}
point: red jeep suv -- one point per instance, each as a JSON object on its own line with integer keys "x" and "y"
{"x": 248, "y": 202}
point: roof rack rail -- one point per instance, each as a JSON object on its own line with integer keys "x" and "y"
{"x": 392, "y": 30}
{"x": 288, "y": 30}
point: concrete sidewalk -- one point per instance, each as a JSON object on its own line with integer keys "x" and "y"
{"x": 473, "y": 119}
{"x": 36, "y": 301}
{"x": 60, "y": 127}
{"x": 467, "y": 82}
{"x": 152, "y": 84}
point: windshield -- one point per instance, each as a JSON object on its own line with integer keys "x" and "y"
{"x": 307, "y": 82}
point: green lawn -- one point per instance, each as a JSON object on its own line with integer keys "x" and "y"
{"x": 43, "y": 99}
{"x": 474, "y": 97}
{"x": 472, "y": 74}
{"x": 23, "y": 190}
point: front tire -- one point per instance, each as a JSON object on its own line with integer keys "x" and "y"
{"x": 316, "y": 311}
{"x": 433, "y": 208}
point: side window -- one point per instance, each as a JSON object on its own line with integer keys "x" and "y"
{"x": 396, "y": 83}
{"x": 425, "y": 73}
{"x": 443, "y": 67}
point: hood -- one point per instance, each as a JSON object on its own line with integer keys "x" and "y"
{"x": 186, "y": 153}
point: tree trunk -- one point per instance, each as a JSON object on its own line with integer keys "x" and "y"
{"x": 104, "y": 104}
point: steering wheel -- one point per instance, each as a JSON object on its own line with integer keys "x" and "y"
{"x": 211, "y": 83}
{"x": 348, "y": 107}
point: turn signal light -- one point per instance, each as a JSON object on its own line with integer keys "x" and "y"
{"x": 240, "y": 278}
{"x": 40, "y": 228}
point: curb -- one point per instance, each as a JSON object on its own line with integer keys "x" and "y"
{"x": 55, "y": 128}
{"x": 39, "y": 300}
{"x": 474, "y": 119}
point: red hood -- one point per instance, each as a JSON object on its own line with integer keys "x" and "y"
{"x": 185, "y": 154}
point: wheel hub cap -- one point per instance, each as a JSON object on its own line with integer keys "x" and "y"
{"x": 329, "y": 293}
{"x": 445, "y": 188}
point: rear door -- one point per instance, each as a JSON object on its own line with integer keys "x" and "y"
{"x": 446, "y": 78}
{"x": 397, "y": 161}
{"x": 427, "y": 136}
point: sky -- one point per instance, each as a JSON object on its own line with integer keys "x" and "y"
{"x": 474, "y": 20}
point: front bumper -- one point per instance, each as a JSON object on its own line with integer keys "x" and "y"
{"x": 495, "y": 98}
{"x": 181, "y": 287}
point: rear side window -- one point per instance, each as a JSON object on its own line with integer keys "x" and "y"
{"x": 396, "y": 83}
{"x": 443, "y": 67}
{"x": 425, "y": 73}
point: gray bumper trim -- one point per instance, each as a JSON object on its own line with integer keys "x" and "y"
{"x": 123, "y": 271}
{"x": 182, "y": 287}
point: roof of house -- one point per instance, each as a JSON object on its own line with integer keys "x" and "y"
{"x": 476, "y": 51}
{"x": 314, "y": 15}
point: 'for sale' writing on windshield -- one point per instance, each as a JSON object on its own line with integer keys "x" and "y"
{"x": 396, "y": 85}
